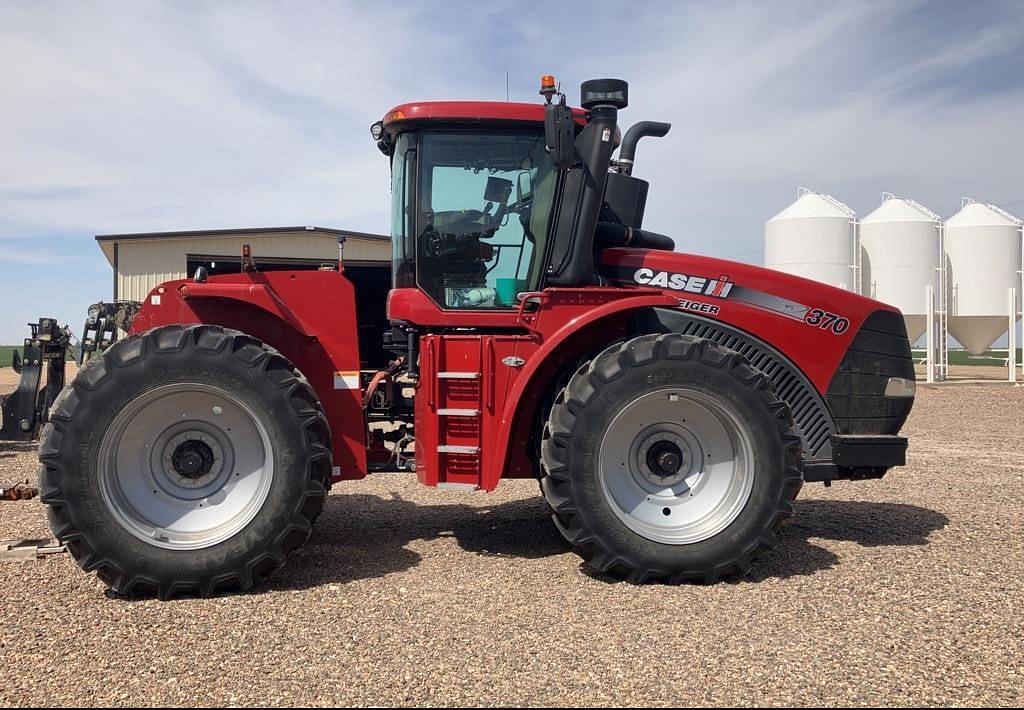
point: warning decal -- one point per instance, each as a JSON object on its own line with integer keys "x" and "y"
{"x": 346, "y": 380}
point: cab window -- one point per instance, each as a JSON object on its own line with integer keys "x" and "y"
{"x": 483, "y": 208}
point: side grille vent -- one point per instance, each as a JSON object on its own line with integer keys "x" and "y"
{"x": 812, "y": 418}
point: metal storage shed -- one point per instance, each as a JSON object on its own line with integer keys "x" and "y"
{"x": 143, "y": 261}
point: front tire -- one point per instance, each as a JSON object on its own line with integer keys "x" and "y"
{"x": 669, "y": 457}
{"x": 185, "y": 460}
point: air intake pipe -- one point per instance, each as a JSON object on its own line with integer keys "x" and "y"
{"x": 609, "y": 234}
{"x": 627, "y": 154}
{"x": 572, "y": 250}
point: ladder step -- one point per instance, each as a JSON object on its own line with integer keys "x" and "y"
{"x": 458, "y": 412}
{"x": 457, "y": 486}
{"x": 453, "y": 449}
{"x": 458, "y": 375}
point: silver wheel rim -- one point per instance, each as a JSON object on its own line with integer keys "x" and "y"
{"x": 676, "y": 466}
{"x": 185, "y": 466}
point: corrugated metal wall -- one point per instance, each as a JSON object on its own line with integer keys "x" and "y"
{"x": 144, "y": 263}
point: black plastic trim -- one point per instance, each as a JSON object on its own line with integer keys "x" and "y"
{"x": 858, "y": 457}
{"x": 856, "y": 395}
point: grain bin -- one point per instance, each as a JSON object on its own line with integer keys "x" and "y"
{"x": 983, "y": 253}
{"x": 814, "y": 237}
{"x": 900, "y": 257}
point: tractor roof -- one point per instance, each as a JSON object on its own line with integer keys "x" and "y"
{"x": 470, "y": 111}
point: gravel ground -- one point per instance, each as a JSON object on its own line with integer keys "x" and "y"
{"x": 902, "y": 591}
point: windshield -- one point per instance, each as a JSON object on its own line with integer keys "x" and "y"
{"x": 482, "y": 210}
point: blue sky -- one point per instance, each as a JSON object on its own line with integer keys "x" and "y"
{"x": 137, "y": 116}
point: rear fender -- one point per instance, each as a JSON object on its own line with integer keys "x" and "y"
{"x": 309, "y": 316}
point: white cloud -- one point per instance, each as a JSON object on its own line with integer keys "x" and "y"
{"x": 764, "y": 98}
{"x": 159, "y": 118}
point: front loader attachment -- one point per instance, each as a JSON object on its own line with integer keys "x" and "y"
{"x": 25, "y": 410}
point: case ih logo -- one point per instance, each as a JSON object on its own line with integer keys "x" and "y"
{"x": 719, "y": 288}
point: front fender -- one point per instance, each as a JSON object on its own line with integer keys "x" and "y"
{"x": 566, "y": 329}
{"x": 812, "y": 323}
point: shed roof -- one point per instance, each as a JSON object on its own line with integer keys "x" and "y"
{"x": 107, "y": 242}
{"x": 214, "y": 233}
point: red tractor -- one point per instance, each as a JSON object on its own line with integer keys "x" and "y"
{"x": 670, "y": 405}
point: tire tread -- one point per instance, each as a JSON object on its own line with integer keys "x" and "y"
{"x": 612, "y": 364}
{"x": 56, "y": 462}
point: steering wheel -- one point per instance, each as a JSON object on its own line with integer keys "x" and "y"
{"x": 453, "y": 230}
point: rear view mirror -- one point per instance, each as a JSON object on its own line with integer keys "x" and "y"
{"x": 498, "y": 190}
{"x": 560, "y": 135}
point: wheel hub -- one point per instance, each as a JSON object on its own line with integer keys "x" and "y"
{"x": 192, "y": 459}
{"x": 664, "y": 458}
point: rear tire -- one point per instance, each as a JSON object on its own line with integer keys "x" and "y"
{"x": 669, "y": 457}
{"x": 185, "y": 460}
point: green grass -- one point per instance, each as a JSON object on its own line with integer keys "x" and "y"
{"x": 5, "y": 354}
{"x": 962, "y": 357}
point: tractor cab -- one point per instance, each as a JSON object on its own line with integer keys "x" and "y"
{"x": 471, "y": 209}
{"x": 493, "y": 200}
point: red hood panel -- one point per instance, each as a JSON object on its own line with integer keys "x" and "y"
{"x": 812, "y": 323}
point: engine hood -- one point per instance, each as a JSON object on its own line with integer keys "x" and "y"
{"x": 812, "y": 323}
